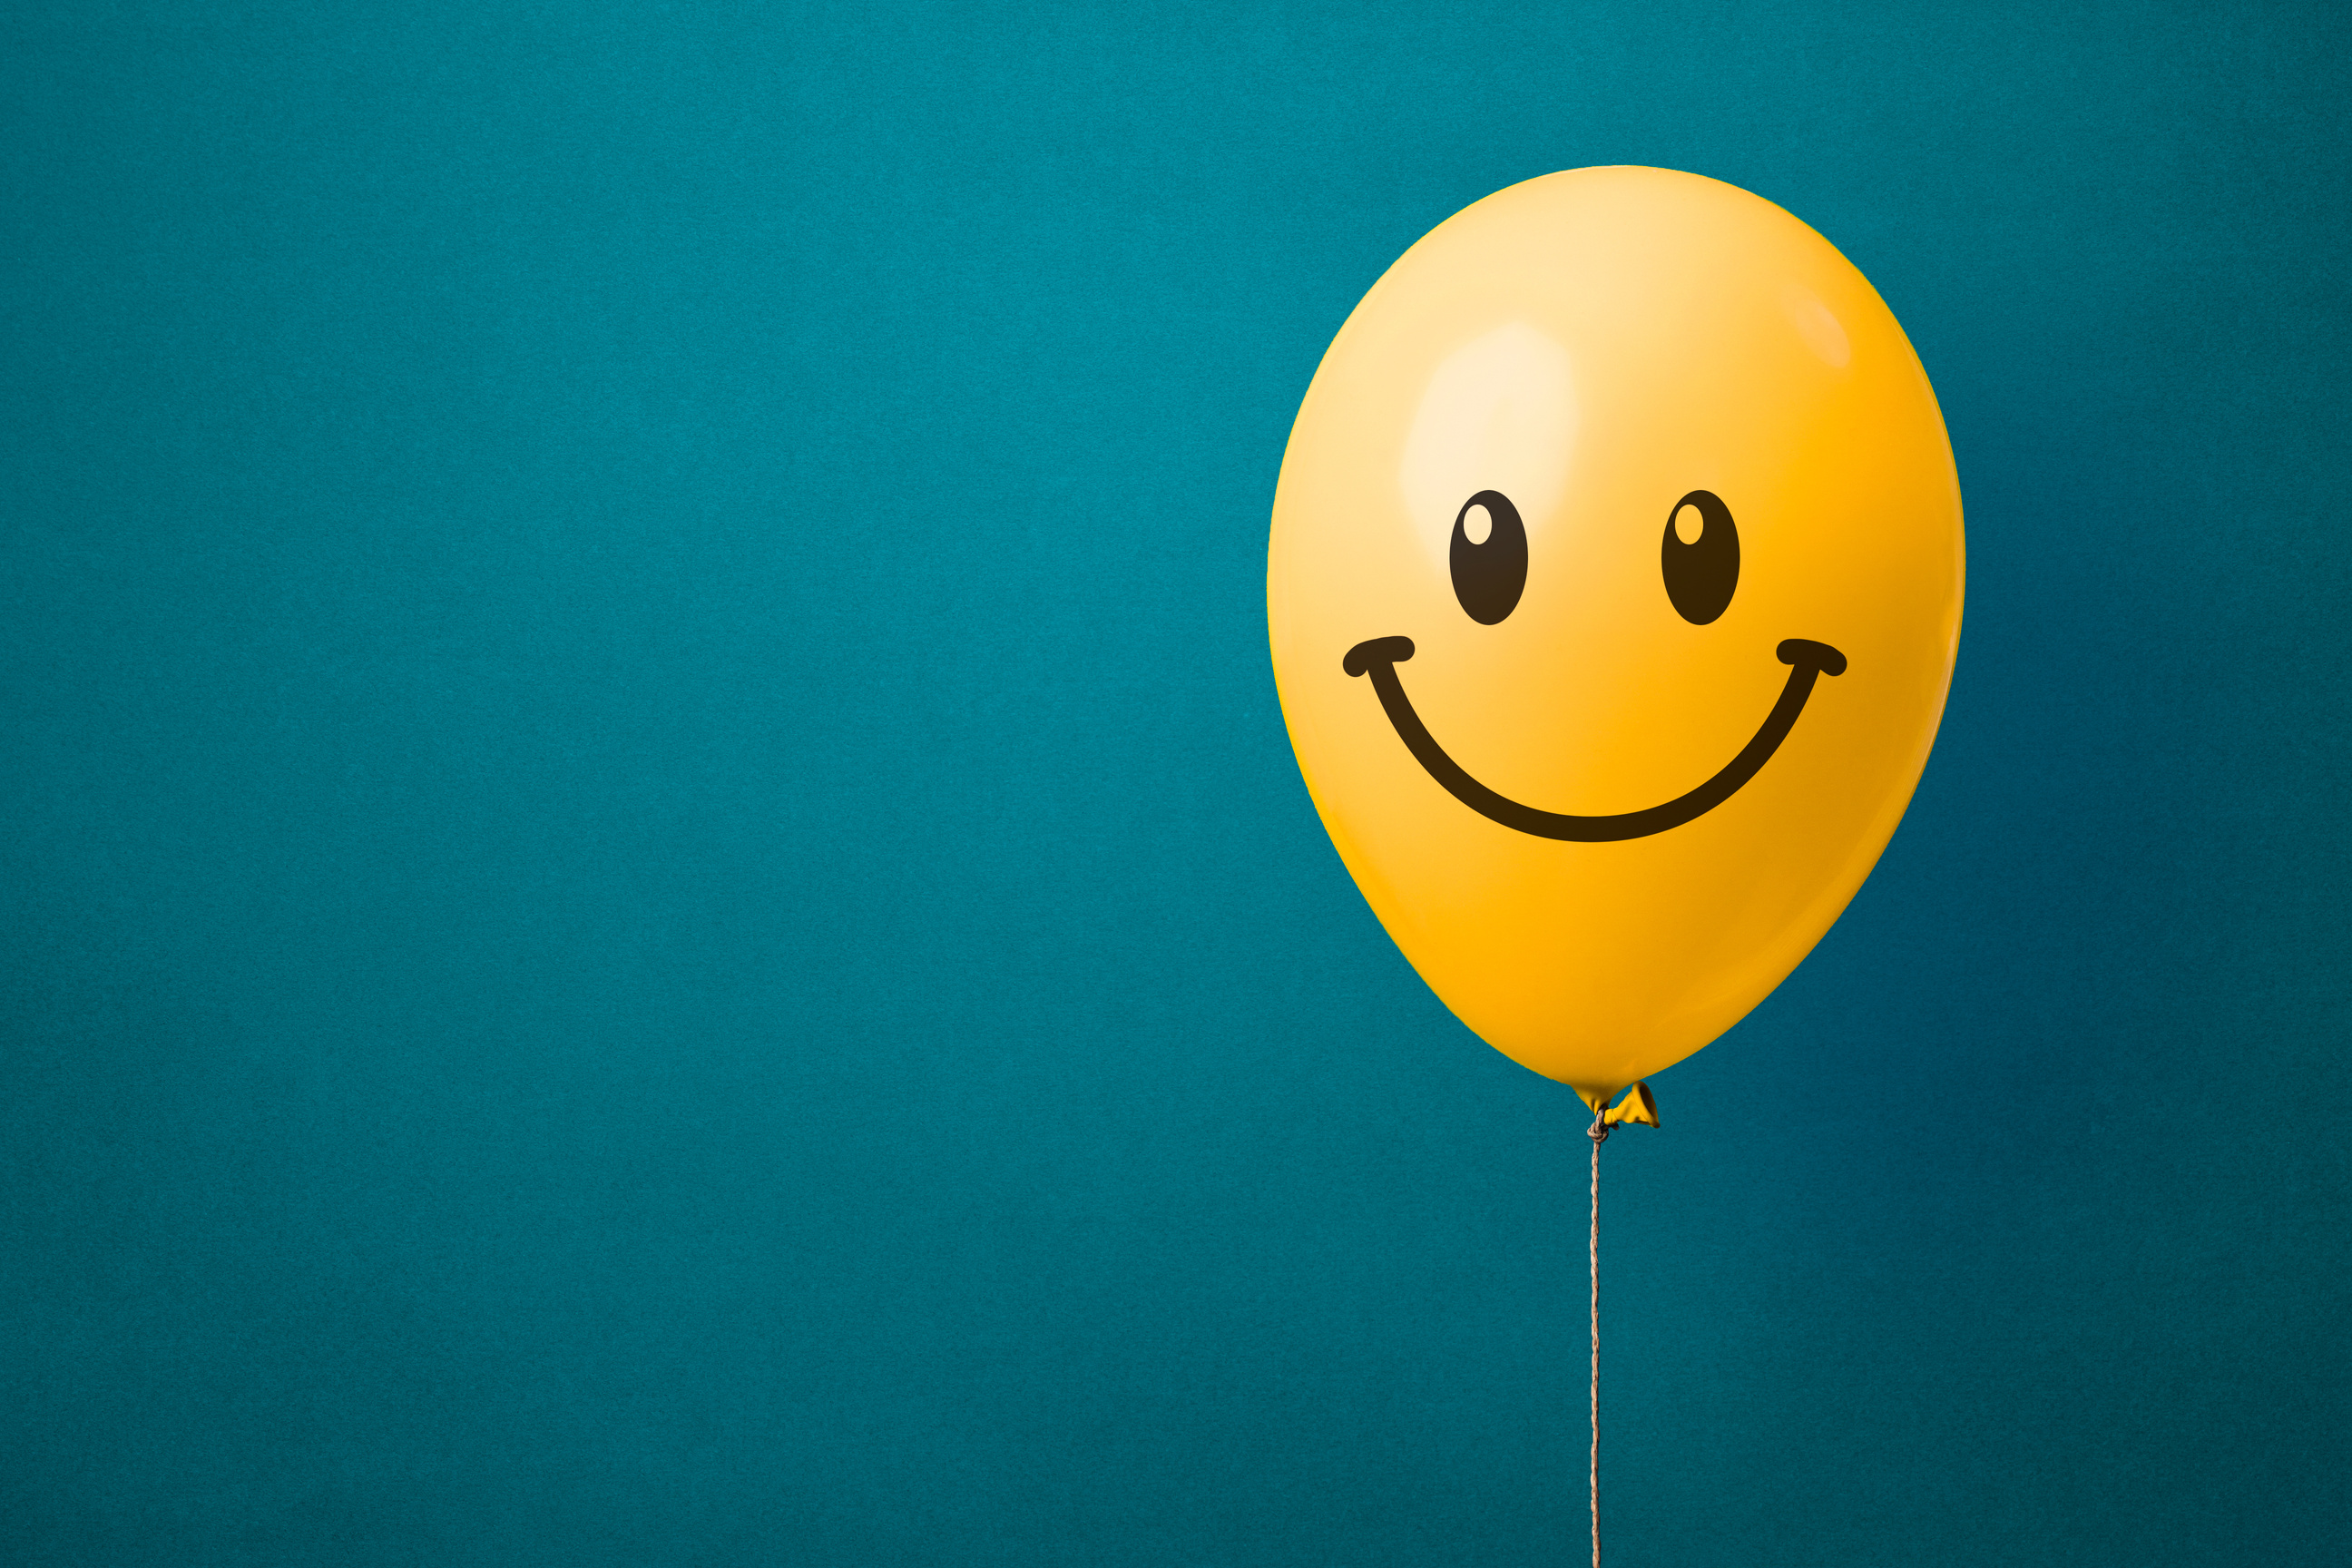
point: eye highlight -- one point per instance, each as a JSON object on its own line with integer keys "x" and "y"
{"x": 1699, "y": 557}
{"x": 1489, "y": 557}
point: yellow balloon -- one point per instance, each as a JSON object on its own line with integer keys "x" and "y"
{"x": 1613, "y": 589}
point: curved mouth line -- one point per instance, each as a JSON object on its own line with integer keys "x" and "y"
{"x": 1808, "y": 661}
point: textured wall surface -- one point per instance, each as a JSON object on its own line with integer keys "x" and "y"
{"x": 657, "y": 911}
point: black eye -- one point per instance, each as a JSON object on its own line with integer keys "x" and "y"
{"x": 1489, "y": 557}
{"x": 1700, "y": 556}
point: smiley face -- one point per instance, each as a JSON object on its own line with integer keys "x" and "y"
{"x": 1645, "y": 486}
{"x": 1489, "y": 558}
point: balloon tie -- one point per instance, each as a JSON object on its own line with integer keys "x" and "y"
{"x": 1599, "y": 1133}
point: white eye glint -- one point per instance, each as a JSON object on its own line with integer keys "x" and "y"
{"x": 1689, "y": 526}
{"x": 1478, "y": 527}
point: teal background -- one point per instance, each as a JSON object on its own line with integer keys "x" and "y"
{"x": 657, "y": 912}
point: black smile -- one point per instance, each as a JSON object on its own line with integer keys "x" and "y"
{"x": 1807, "y": 660}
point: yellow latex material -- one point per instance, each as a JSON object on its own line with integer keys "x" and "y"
{"x": 1639, "y": 1108}
{"x": 1595, "y": 346}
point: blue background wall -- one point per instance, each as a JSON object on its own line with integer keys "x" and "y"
{"x": 657, "y": 912}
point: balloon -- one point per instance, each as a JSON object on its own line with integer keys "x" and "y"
{"x": 1613, "y": 590}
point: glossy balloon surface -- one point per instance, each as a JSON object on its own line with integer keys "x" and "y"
{"x": 1613, "y": 590}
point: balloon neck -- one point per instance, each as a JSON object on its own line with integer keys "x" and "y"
{"x": 1639, "y": 1106}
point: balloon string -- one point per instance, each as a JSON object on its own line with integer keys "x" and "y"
{"x": 1599, "y": 1135}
